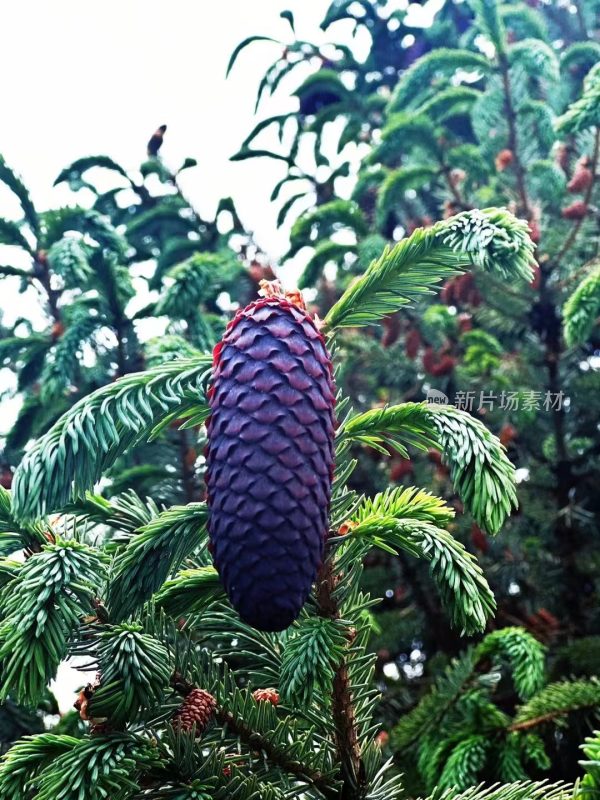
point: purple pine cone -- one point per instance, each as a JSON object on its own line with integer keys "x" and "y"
{"x": 270, "y": 460}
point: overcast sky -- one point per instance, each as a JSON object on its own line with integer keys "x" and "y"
{"x": 84, "y": 78}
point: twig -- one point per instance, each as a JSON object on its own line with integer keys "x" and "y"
{"x": 513, "y": 141}
{"x": 458, "y": 198}
{"x": 259, "y": 742}
{"x": 570, "y": 240}
{"x": 526, "y": 724}
{"x": 344, "y": 715}
{"x": 42, "y": 272}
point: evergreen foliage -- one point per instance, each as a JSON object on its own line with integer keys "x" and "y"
{"x": 460, "y": 733}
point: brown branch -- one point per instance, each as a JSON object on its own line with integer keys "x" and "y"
{"x": 513, "y": 141}
{"x": 279, "y": 757}
{"x": 526, "y": 724}
{"x": 570, "y": 240}
{"x": 257, "y": 741}
{"x": 41, "y": 270}
{"x": 344, "y": 715}
{"x": 531, "y": 723}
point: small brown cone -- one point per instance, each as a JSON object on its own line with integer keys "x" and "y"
{"x": 503, "y": 159}
{"x": 576, "y": 210}
{"x": 412, "y": 343}
{"x": 197, "y": 709}
{"x": 266, "y": 696}
{"x": 508, "y": 433}
{"x": 582, "y": 178}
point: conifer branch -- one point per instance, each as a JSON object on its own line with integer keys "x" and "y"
{"x": 277, "y": 755}
{"x": 135, "y": 671}
{"x": 557, "y": 700}
{"x": 391, "y": 426}
{"x": 479, "y": 467}
{"x": 68, "y": 460}
{"x": 582, "y": 309}
{"x": 492, "y": 240}
{"x": 590, "y": 785}
{"x": 123, "y": 513}
{"x": 515, "y": 791}
{"x": 288, "y": 745}
{"x": 480, "y": 470}
{"x": 441, "y": 61}
{"x": 466, "y": 595}
{"x": 583, "y": 113}
{"x": 14, "y": 534}
{"x": 153, "y": 553}
{"x": 9, "y": 177}
{"x": 21, "y": 765}
{"x": 513, "y": 140}
{"x": 42, "y": 608}
{"x": 11, "y": 234}
{"x": 524, "y": 654}
{"x": 190, "y": 592}
{"x": 439, "y": 701}
{"x": 311, "y": 655}
{"x": 112, "y": 764}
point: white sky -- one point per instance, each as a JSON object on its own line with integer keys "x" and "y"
{"x": 84, "y": 78}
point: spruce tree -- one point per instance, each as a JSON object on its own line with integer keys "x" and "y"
{"x": 185, "y": 698}
{"x": 194, "y": 690}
